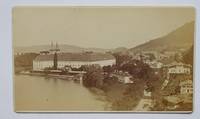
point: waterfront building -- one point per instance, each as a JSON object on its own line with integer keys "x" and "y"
{"x": 74, "y": 60}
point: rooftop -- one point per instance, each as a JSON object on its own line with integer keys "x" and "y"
{"x": 177, "y": 64}
{"x": 76, "y": 57}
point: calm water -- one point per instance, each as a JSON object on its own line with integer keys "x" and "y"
{"x": 34, "y": 93}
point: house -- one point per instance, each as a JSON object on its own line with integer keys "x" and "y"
{"x": 125, "y": 79}
{"x": 147, "y": 93}
{"x": 162, "y": 56}
{"x": 74, "y": 60}
{"x": 155, "y": 55}
{"x": 146, "y": 103}
{"x": 186, "y": 87}
{"x": 154, "y": 64}
{"x": 149, "y": 57}
{"x": 177, "y": 68}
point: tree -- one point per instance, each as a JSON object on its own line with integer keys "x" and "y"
{"x": 25, "y": 60}
{"x": 83, "y": 68}
{"x": 121, "y": 58}
{"x": 108, "y": 68}
{"x": 93, "y": 77}
{"x": 151, "y": 56}
{"x": 188, "y": 56}
{"x": 138, "y": 69}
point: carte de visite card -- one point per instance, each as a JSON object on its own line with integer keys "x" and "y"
{"x": 103, "y": 58}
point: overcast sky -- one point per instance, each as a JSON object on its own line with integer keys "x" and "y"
{"x": 95, "y": 27}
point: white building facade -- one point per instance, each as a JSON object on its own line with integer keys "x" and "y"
{"x": 186, "y": 87}
{"x": 179, "y": 68}
{"x": 41, "y": 65}
{"x": 75, "y": 61}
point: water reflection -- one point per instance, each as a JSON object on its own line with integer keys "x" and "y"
{"x": 33, "y": 93}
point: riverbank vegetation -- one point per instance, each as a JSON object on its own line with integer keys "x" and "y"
{"x": 122, "y": 96}
{"x": 23, "y": 62}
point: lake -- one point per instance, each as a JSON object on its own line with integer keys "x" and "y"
{"x": 36, "y": 93}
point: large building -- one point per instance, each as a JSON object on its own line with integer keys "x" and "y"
{"x": 186, "y": 87}
{"x": 176, "y": 68}
{"x": 179, "y": 68}
{"x": 74, "y": 60}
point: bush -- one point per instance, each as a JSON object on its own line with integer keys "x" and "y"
{"x": 93, "y": 77}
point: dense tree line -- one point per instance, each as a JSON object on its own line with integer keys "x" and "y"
{"x": 122, "y": 97}
{"x": 93, "y": 77}
{"x": 121, "y": 59}
{"x": 136, "y": 68}
{"x": 188, "y": 56}
{"x": 24, "y": 60}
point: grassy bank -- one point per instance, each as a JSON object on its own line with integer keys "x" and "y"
{"x": 121, "y": 97}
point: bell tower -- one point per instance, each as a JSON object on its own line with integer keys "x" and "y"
{"x": 55, "y": 55}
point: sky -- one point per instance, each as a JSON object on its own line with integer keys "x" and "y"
{"x": 97, "y": 27}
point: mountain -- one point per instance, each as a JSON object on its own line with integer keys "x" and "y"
{"x": 181, "y": 38}
{"x": 65, "y": 48}
{"x": 62, "y": 47}
{"x": 39, "y": 48}
{"x": 119, "y": 49}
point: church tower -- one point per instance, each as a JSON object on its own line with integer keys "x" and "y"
{"x": 55, "y": 55}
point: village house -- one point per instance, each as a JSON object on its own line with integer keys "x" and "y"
{"x": 154, "y": 64}
{"x": 155, "y": 55}
{"x": 146, "y": 103}
{"x": 136, "y": 56}
{"x": 185, "y": 95}
{"x": 176, "y": 68}
{"x": 123, "y": 77}
{"x": 147, "y": 93}
{"x": 186, "y": 87}
{"x": 149, "y": 57}
{"x": 179, "y": 68}
{"x": 186, "y": 90}
{"x": 162, "y": 56}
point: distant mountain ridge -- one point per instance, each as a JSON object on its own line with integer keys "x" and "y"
{"x": 65, "y": 48}
{"x": 38, "y": 48}
{"x": 62, "y": 47}
{"x": 182, "y": 37}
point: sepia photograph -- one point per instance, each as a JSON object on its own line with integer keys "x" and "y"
{"x": 103, "y": 58}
